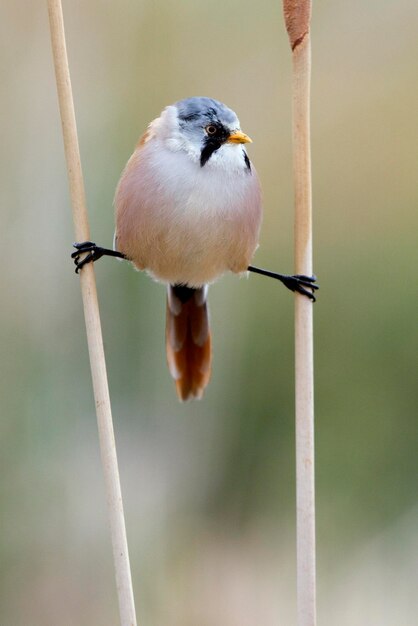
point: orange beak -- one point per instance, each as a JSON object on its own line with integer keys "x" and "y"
{"x": 239, "y": 137}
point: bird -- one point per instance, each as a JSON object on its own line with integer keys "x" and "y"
{"x": 188, "y": 209}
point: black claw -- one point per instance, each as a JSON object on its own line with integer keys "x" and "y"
{"x": 304, "y": 292}
{"x": 309, "y": 279}
{"x": 299, "y": 282}
{"x": 305, "y": 283}
{"x": 81, "y": 264}
{"x": 95, "y": 253}
{"x": 85, "y": 246}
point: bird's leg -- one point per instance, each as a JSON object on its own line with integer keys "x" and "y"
{"x": 297, "y": 282}
{"x": 95, "y": 253}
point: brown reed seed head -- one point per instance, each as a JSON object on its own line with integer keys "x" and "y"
{"x": 297, "y": 17}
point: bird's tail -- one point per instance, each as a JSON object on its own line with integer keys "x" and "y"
{"x": 188, "y": 340}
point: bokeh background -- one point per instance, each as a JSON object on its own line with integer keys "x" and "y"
{"x": 209, "y": 487}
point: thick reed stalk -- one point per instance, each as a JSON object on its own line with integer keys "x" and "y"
{"x": 92, "y": 319}
{"x": 297, "y": 17}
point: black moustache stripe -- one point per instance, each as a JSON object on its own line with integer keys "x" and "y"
{"x": 211, "y": 145}
{"x": 247, "y": 160}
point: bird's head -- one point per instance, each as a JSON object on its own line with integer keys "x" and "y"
{"x": 201, "y": 127}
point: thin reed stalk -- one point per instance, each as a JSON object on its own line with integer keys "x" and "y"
{"x": 92, "y": 319}
{"x": 297, "y": 15}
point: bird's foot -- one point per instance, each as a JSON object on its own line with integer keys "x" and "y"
{"x": 94, "y": 254}
{"x": 299, "y": 282}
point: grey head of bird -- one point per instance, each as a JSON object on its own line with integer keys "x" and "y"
{"x": 202, "y": 126}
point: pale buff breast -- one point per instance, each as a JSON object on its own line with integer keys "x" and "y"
{"x": 184, "y": 223}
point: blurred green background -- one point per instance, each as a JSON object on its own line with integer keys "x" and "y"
{"x": 209, "y": 486}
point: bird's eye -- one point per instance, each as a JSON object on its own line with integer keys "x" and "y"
{"x": 211, "y": 130}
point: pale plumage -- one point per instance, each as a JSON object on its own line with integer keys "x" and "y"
{"x": 188, "y": 209}
{"x": 181, "y": 222}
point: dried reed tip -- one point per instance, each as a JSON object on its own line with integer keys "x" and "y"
{"x": 297, "y": 17}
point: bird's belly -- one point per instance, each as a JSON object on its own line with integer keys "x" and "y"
{"x": 193, "y": 252}
{"x": 192, "y": 229}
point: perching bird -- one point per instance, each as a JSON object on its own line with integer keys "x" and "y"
{"x": 188, "y": 209}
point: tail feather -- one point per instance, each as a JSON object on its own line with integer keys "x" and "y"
{"x": 188, "y": 340}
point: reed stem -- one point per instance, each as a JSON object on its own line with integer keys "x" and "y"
{"x": 297, "y": 17}
{"x": 92, "y": 320}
